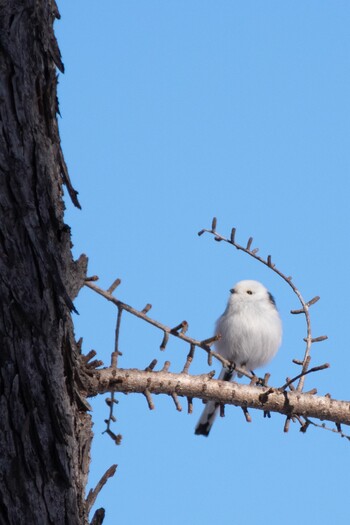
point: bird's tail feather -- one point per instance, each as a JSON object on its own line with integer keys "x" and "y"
{"x": 207, "y": 418}
{"x": 211, "y": 409}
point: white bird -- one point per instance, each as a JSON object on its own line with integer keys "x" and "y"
{"x": 251, "y": 334}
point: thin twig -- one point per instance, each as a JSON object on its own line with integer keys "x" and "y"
{"x": 176, "y": 401}
{"x": 314, "y": 369}
{"x": 90, "y": 500}
{"x": 86, "y": 358}
{"x": 148, "y": 397}
{"x": 287, "y": 424}
{"x": 247, "y": 415}
{"x": 336, "y": 430}
{"x": 166, "y": 366}
{"x": 146, "y": 308}
{"x": 114, "y": 362}
{"x": 151, "y": 365}
{"x": 189, "y": 360}
{"x": 98, "y": 517}
{"x": 189, "y": 405}
{"x": 114, "y": 285}
{"x": 117, "y": 331}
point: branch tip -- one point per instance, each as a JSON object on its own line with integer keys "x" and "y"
{"x": 187, "y": 364}
{"x": 165, "y": 341}
{"x": 189, "y": 405}
{"x": 211, "y": 340}
{"x": 297, "y": 362}
{"x": 182, "y": 328}
{"x": 313, "y": 300}
{"x": 117, "y": 438}
{"x": 266, "y": 378}
{"x": 114, "y": 285}
{"x": 269, "y": 262}
{"x": 166, "y": 366}
{"x": 319, "y": 339}
{"x": 312, "y": 392}
{"x": 176, "y": 401}
{"x": 287, "y": 424}
{"x": 247, "y": 415}
{"x": 304, "y": 427}
{"x": 148, "y": 397}
{"x": 86, "y": 358}
{"x": 151, "y": 366}
{"x": 146, "y": 308}
{"x": 93, "y": 493}
{"x": 298, "y": 311}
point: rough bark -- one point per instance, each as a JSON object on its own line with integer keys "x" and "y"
{"x": 45, "y": 432}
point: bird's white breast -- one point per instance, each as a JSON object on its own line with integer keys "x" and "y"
{"x": 250, "y": 332}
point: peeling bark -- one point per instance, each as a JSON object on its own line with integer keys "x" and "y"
{"x": 45, "y": 432}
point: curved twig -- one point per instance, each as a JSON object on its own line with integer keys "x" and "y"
{"x": 288, "y": 279}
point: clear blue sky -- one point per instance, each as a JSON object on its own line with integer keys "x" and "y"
{"x": 173, "y": 112}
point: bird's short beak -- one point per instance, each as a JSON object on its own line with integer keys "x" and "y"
{"x": 232, "y": 290}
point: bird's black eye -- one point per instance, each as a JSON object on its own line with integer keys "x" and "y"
{"x": 249, "y": 292}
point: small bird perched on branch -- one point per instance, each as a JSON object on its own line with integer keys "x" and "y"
{"x": 251, "y": 334}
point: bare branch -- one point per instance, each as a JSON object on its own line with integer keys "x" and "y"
{"x": 336, "y": 430}
{"x": 90, "y": 500}
{"x": 223, "y": 392}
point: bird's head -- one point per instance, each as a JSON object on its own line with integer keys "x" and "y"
{"x": 250, "y": 291}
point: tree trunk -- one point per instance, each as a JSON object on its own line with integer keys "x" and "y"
{"x": 45, "y": 432}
